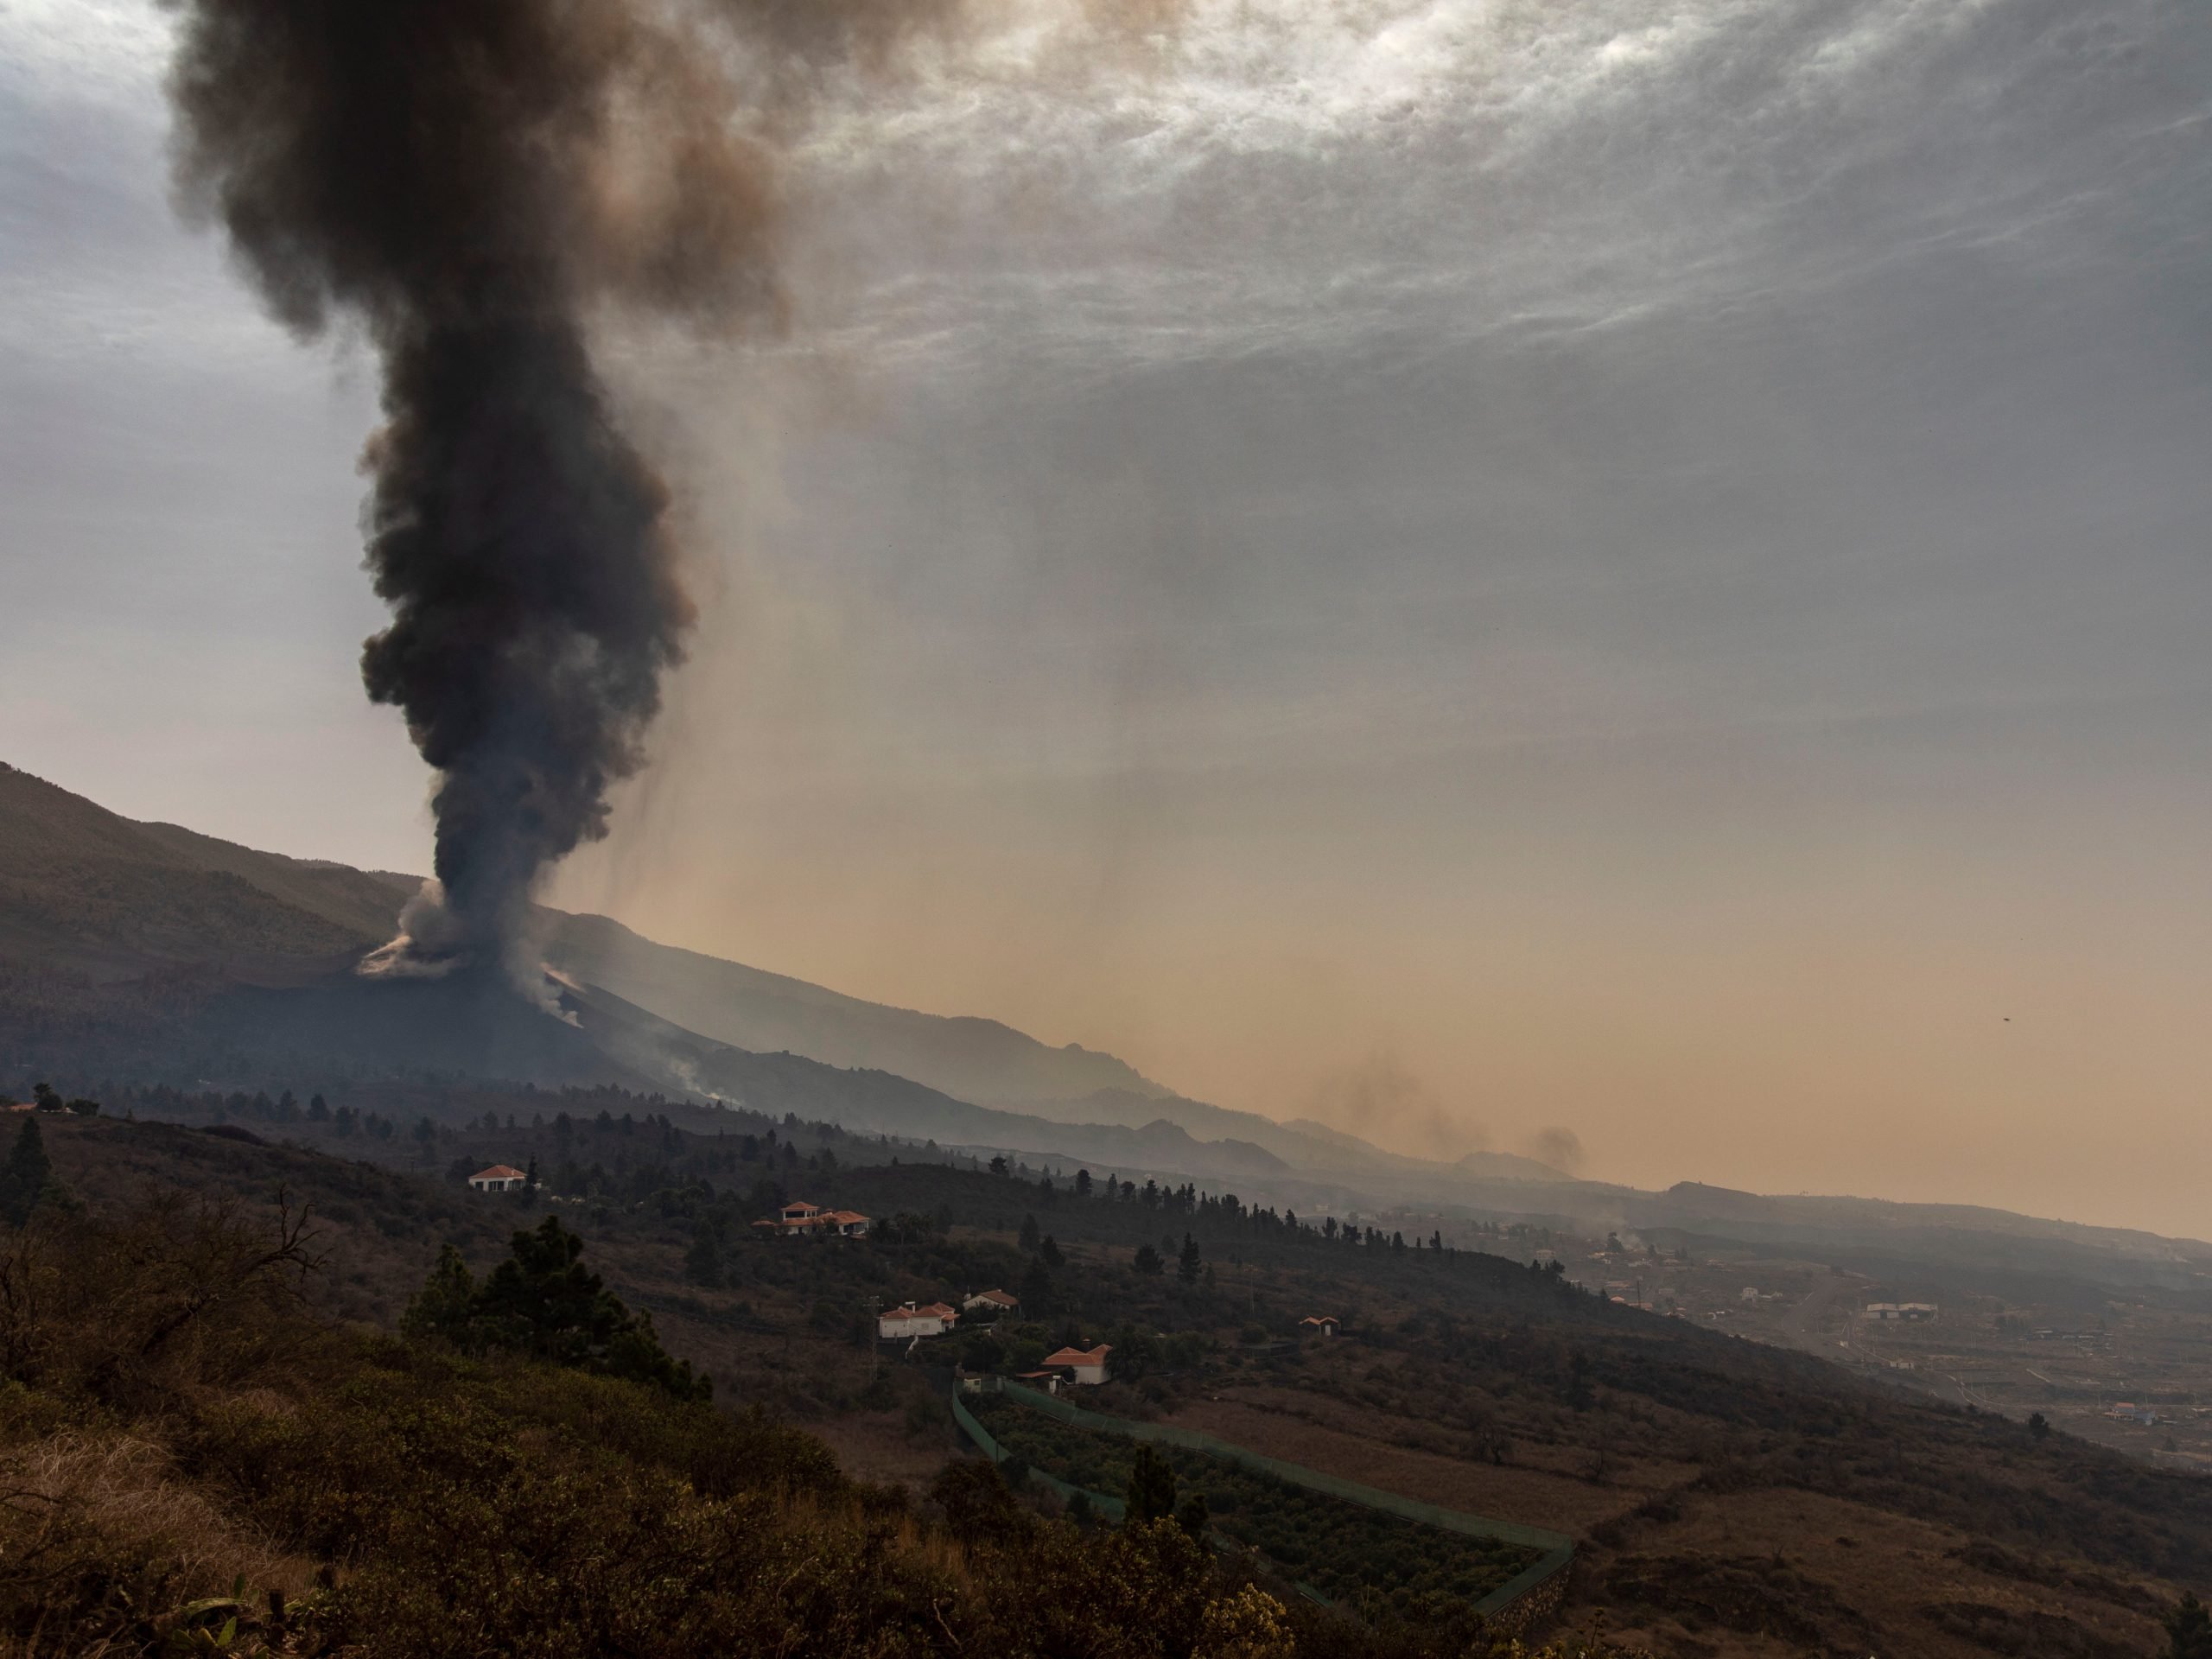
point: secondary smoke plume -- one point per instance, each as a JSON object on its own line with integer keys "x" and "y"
{"x": 1559, "y": 1148}
{"x": 467, "y": 181}
{"x": 1381, "y": 1101}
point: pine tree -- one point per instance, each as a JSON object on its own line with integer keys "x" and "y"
{"x": 543, "y": 1300}
{"x": 1194, "y": 1517}
{"x": 445, "y": 1305}
{"x": 1188, "y": 1262}
{"x": 1029, "y": 1235}
{"x": 703, "y": 1262}
{"x": 1038, "y": 1298}
{"x": 27, "y": 1174}
{"x": 1151, "y": 1487}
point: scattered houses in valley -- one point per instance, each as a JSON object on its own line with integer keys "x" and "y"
{"x": 1088, "y": 1368}
{"x": 910, "y": 1319}
{"x": 1320, "y": 1325}
{"x": 500, "y": 1178}
{"x": 812, "y": 1220}
{"x": 992, "y": 1302}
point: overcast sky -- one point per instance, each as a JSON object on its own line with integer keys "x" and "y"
{"x": 1460, "y": 568}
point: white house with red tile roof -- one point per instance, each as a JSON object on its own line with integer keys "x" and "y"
{"x": 992, "y": 1302}
{"x": 800, "y": 1217}
{"x": 911, "y": 1319}
{"x": 1086, "y": 1367}
{"x": 500, "y": 1178}
{"x": 1324, "y": 1324}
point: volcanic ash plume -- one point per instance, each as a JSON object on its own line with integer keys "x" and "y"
{"x": 468, "y": 180}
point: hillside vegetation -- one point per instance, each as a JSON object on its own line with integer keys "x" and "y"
{"x": 194, "y": 1464}
{"x": 1729, "y": 1499}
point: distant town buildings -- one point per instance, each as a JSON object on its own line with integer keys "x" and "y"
{"x": 1915, "y": 1312}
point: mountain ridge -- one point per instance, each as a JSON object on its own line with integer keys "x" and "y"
{"x": 211, "y": 955}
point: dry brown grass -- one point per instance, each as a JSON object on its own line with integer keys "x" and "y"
{"x": 101, "y": 1520}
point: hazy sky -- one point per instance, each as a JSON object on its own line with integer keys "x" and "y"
{"x": 1461, "y": 569}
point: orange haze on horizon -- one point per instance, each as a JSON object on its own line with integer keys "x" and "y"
{"x": 1906, "y": 1001}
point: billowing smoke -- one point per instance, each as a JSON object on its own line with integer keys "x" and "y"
{"x": 469, "y": 182}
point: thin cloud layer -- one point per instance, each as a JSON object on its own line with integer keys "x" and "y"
{"x": 1286, "y": 175}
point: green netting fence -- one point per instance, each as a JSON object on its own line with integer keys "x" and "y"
{"x": 1557, "y": 1548}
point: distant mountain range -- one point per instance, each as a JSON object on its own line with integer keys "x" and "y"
{"x": 150, "y": 950}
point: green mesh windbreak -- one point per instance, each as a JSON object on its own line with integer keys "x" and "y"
{"x": 1104, "y": 1505}
{"x": 1557, "y": 1548}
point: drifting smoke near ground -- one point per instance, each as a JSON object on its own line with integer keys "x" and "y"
{"x": 469, "y": 182}
{"x": 1380, "y": 1100}
{"x": 1561, "y": 1148}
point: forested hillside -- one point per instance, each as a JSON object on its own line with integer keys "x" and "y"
{"x": 1729, "y": 1499}
{"x": 197, "y": 1463}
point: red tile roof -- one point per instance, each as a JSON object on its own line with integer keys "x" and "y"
{"x": 1077, "y": 1356}
{"x": 498, "y": 1172}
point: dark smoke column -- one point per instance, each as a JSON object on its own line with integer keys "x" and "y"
{"x": 466, "y": 180}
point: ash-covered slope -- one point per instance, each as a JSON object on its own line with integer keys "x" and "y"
{"x": 972, "y": 1058}
{"x": 169, "y": 952}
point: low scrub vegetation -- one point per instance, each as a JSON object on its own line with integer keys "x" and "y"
{"x": 193, "y": 1465}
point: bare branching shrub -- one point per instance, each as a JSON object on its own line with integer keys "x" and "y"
{"x": 179, "y": 1293}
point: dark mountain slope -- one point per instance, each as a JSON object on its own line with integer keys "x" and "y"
{"x": 84, "y": 888}
{"x": 976, "y": 1059}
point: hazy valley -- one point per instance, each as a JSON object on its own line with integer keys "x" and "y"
{"x": 1694, "y": 1386}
